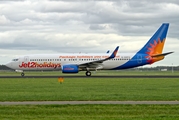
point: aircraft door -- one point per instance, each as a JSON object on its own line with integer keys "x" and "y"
{"x": 139, "y": 59}
{"x": 26, "y": 59}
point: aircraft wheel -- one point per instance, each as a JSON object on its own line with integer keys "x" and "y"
{"x": 88, "y": 73}
{"x": 22, "y": 74}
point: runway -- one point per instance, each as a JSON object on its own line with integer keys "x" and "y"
{"x": 91, "y": 102}
{"x": 104, "y": 76}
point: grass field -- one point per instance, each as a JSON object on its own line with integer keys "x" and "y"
{"x": 31, "y": 89}
{"x": 90, "y": 112}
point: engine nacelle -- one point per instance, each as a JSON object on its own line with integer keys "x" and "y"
{"x": 70, "y": 69}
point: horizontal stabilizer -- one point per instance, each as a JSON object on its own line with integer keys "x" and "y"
{"x": 163, "y": 54}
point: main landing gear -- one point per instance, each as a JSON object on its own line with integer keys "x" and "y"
{"x": 88, "y": 73}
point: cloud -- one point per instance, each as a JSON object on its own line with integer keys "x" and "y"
{"x": 3, "y": 20}
{"x": 84, "y": 26}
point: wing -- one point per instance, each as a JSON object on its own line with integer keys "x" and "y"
{"x": 97, "y": 64}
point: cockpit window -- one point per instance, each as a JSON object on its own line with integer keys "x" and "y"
{"x": 15, "y": 59}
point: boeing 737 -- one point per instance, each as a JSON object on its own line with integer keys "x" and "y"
{"x": 76, "y": 62}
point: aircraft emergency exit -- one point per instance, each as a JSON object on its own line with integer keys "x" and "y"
{"x": 74, "y": 63}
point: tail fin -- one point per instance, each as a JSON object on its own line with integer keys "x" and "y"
{"x": 156, "y": 43}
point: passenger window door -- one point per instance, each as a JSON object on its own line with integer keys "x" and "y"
{"x": 26, "y": 59}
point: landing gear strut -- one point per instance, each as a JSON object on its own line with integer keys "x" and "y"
{"x": 22, "y": 74}
{"x": 88, "y": 73}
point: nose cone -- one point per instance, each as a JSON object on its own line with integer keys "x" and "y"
{"x": 9, "y": 65}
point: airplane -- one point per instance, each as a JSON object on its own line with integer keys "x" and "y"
{"x": 150, "y": 53}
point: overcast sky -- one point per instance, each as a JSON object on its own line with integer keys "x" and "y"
{"x": 72, "y": 26}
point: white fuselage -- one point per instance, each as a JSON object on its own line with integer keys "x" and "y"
{"x": 55, "y": 61}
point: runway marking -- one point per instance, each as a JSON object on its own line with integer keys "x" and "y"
{"x": 89, "y": 102}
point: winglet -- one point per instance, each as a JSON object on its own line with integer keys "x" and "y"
{"x": 113, "y": 55}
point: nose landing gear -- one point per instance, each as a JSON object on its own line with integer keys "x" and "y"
{"x": 22, "y": 74}
{"x": 21, "y": 71}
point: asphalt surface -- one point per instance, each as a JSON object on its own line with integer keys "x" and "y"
{"x": 119, "y": 76}
{"x": 90, "y": 102}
